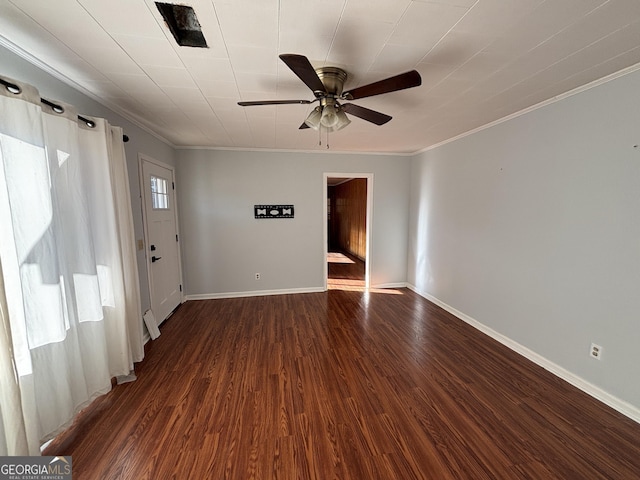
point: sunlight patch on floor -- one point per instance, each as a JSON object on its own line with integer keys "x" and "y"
{"x": 335, "y": 257}
{"x": 357, "y": 286}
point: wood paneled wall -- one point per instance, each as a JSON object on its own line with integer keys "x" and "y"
{"x": 348, "y": 217}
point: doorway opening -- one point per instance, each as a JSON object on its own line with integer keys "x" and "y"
{"x": 348, "y": 199}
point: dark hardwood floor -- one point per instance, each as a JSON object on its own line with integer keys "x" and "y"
{"x": 344, "y": 385}
{"x": 345, "y": 271}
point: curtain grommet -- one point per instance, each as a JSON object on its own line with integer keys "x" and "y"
{"x": 11, "y": 87}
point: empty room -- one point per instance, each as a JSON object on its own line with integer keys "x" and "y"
{"x": 312, "y": 239}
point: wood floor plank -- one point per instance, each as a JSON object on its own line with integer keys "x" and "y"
{"x": 343, "y": 384}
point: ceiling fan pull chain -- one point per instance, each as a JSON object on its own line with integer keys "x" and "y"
{"x": 327, "y": 139}
{"x": 320, "y": 136}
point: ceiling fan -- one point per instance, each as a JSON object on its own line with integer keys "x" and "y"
{"x": 326, "y": 84}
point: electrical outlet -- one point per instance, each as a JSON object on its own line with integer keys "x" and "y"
{"x": 257, "y": 276}
{"x": 596, "y": 351}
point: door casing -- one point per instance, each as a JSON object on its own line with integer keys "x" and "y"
{"x": 367, "y": 265}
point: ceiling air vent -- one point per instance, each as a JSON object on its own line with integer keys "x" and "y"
{"x": 183, "y": 24}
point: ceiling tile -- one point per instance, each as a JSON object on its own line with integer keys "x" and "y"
{"x": 289, "y": 88}
{"x": 78, "y": 71}
{"x": 545, "y": 21}
{"x": 451, "y": 87}
{"x": 455, "y": 3}
{"x": 595, "y": 54}
{"x": 111, "y": 60}
{"x": 457, "y": 47}
{"x": 170, "y": 76}
{"x": 566, "y": 43}
{"x": 614, "y": 64}
{"x": 479, "y": 67}
{"x": 424, "y": 24}
{"x": 135, "y": 83}
{"x": 495, "y": 16}
{"x": 180, "y": 95}
{"x": 611, "y": 16}
{"x": 261, "y": 126}
{"x": 249, "y": 84}
{"x": 105, "y": 88}
{"x": 315, "y": 47}
{"x": 358, "y": 43}
{"x": 241, "y": 135}
{"x": 308, "y": 27}
{"x": 433, "y": 74}
{"x": 248, "y": 22}
{"x": 219, "y": 89}
{"x": 254, "y": 59}
{"x": 231, "y": 116}
{"x": 124, "y": 17}
{"x": 222, "y": 103}
{"x": 398, "y": 58}
{"x": 56, "y": 21}
{"x": 218, "y": 137}
{"x": 149, "y": 51}
{"x": 375, "y": 11}
{"x": 211, "y": 69}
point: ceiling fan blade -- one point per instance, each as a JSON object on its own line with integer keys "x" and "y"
{"x": 391, "y": 84}
{"x": 303, "y": 126}
{"x": 301, "y": 66}
{"x": 366, "y": 114}
{"x": 274, "y": 102}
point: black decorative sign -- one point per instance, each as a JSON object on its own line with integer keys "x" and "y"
{"x": 273, "y": 211}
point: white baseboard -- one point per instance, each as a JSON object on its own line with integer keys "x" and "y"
{"x": 255, "y": 293}
{"x": 614, "y": 402}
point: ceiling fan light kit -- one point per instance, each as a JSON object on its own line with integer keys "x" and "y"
{"x": 329, "y": 117}
{"x": 313, "y": 120}
{"x": 343, "y": 120}
{"x": 327, "y": 84}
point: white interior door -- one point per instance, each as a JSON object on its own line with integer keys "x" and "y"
{"x": 162, "y": 242}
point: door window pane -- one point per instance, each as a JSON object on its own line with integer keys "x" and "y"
{"x": 159, "y": 193}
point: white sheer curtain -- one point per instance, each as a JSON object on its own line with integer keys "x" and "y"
{"x": 69, "y": 298}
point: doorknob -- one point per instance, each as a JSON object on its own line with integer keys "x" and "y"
{"x": 155, "y": 259}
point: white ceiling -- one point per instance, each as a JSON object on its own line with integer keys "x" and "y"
{"x": 479, "y": 60}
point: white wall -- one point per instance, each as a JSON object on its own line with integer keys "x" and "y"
{"x": 224, "y": 246}
{"x": 51, "y": 88}
{"x": 532, "y": 228}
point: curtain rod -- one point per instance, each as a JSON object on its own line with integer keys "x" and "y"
{"x": 15, "y": 89}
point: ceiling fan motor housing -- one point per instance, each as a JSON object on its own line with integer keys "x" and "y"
{"x": 333, "y": 79}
